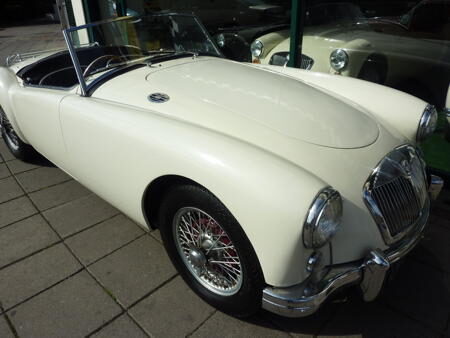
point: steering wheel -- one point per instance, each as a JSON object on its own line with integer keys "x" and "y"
{"x": 111, "y": 57}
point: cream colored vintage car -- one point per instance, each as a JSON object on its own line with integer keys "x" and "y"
{"x": 350, "y": 46}
{"x": 271, "y": 186}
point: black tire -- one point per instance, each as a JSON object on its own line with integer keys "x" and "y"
{"x": 247, "y": 298}
{"x": 16, "y": 146}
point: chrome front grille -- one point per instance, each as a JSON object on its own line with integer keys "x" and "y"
{"x": 282, "y": 58}
{"x": 307, "y": 62}
{"x": 396, "y": 193}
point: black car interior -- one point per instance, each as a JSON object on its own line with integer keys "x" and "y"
{"x": 57, "y": 70}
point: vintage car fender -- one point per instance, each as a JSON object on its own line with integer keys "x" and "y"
{"x": 403, "y": 113}
{"x": 272, "y": 192}
{"x": 7, "y": 80}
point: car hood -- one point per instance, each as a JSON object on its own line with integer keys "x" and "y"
{"x": 224, "y": 96}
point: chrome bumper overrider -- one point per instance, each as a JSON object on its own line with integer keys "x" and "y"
{"x": 370, "y": 273}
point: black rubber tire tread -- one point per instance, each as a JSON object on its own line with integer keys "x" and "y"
{"x": 247, "y": 300}
{"x": 25, "y": 152}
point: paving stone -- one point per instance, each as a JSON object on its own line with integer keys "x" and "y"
{"x": 371, "y": 320}
{"x": 5, "y": 331}
{"x": 103, "y": 238}
{"x": 41, "y": 178}
{"x": 434, "y": 248}
{"x": 15, "y": 210}
{"x": 24, "y": 238}
{"x": 9, "y": 189}
{"x": 36, "y": 273}
{"x": 421, "y": 292}
{"x": 119, "y": 328}
{"x": 157, "y": 235}
{"x": 58, "y": 194}
{"x": 79, "y": 214}
{"x": 4, "y": 152}
{"x": 172, "y": 311}
{"x": 73, "y": 308}
{"x": 135, "y": 270}
{"x": 18, "y": 166}
{"x": 232, "y": 327}
{"x": 4, "y": 172}
{"x": 307, "y": 326}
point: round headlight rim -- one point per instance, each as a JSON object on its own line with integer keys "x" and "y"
{"x": 325, "y": 196}
{"x": 260, "y": 46}
{"x": 347, "y": 58}
{"x": 422, "y": 133}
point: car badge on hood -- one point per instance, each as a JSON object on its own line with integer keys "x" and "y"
{"x": 158, "y": 97}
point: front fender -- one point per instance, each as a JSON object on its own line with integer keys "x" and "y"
{"x": 358, "y": 51}
{"x": 7, "y": 80}
{"x": 400, "y": 113}
{"x": 117, "y": 150}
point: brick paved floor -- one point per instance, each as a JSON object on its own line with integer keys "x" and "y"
{"x": 71, "y": 266}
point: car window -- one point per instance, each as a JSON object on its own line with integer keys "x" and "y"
{"x": 430, "y": 17}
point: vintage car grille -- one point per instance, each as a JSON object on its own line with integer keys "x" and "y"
{"x": 282, "y": 58}
{"x": 396, "y": 193}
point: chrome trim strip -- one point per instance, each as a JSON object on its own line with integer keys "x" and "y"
{"x": 429, "y": 111}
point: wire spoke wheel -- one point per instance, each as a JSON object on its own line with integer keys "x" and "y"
{"x": 10, "y": 136}
{"x": 207, "y": 251}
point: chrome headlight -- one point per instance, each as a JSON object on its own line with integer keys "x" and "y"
{"x": 428, "y": 123}
{"x": 323, "y": 220}
{"x": 257, "y": 48}
{"x": 339, "y": 59}
{"x": 220, "y": 39}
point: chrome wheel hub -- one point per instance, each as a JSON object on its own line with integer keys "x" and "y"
{"x": 207, "y": 251}
{"x": 197, "y": 258}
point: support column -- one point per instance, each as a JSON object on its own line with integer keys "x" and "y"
{"x": 298, "y": 11}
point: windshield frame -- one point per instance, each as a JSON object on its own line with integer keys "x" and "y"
{"x": 85, "y": 88}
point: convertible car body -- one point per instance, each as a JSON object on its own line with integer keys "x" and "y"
{"x": 271, "y": 186}
{"x": 350, "y": 45}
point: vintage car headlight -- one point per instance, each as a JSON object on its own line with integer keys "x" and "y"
{"x": 339, "y": 59}
{"x": 428, "y": 123}
{"x": 323, "y": 220}
{"x": 257, "y": 48}
{"x": 220, "y": 39}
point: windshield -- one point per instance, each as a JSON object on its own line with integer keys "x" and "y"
{"x": 332, "y": 13}
{"x": 103, "y": 47}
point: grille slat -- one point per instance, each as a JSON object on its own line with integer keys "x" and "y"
{"x": 398, "y": 203}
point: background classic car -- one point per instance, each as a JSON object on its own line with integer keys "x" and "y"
{"x": 350, "y": 46}
{"x": 206, "y": 139}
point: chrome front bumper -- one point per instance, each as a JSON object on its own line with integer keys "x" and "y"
{"x": 369, "y": 274}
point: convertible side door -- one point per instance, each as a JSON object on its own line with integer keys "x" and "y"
{"x": 37, "y": 114}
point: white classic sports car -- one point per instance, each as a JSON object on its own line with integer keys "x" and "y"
{"x": 338, "y": 40}
{"x": 272, "y": 187}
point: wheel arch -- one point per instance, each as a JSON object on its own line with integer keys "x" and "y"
{"x": 380, "y": 62}
{"x": 154, "y": 192}
{"x": 7, "y": 80}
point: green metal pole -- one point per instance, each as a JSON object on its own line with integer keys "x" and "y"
{"x": 297, "y": 21}
{"x": 121, "y": 6}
